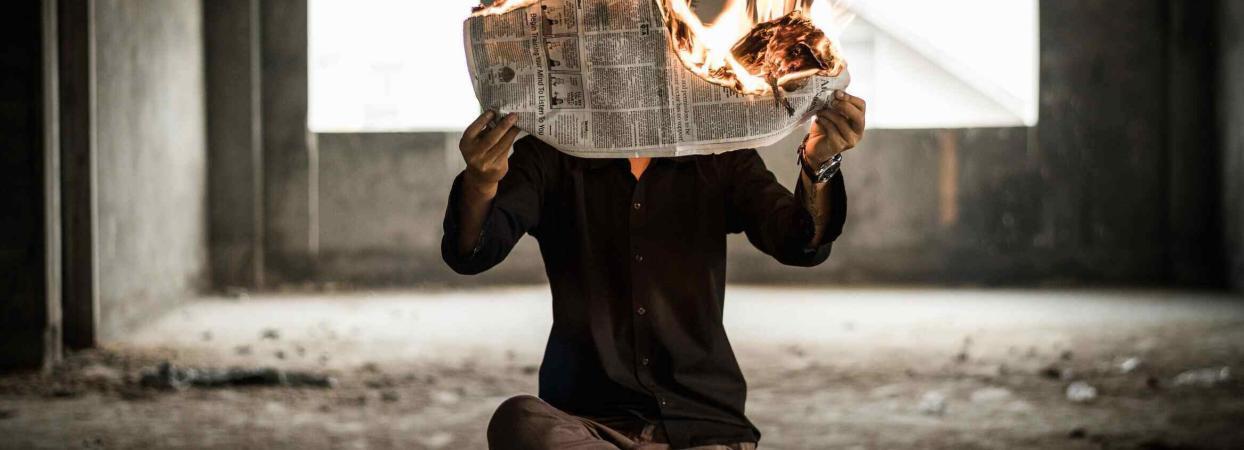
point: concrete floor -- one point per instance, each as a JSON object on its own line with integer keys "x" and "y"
{"x": 826, "y": 369}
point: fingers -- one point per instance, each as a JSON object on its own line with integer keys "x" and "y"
{"x": 473, "y": 130}
{"x": 494, "y": 135}
{"x": 849, "y": 136}
{"x": 852, "y": 113}
{"x": 502, "y": 149}
{"x": 852, "y": 108}
{"x": 837, "y": 142}
{"x": 856, "y": 101}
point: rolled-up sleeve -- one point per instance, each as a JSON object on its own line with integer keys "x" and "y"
{"x": 514, "y": 211}
{"x": 775, "y": 219}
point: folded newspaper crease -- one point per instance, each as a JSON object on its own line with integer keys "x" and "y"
{"x": 597, "y": 79}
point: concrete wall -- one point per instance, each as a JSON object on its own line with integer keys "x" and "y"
{"x": 1109, "y": 188}
{"x": 382, "y": 198}
{"x": 151, "y": 156}
{"x": 1231, "y": 126}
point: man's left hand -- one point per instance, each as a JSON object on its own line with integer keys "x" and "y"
{"x": 838, "y": 128}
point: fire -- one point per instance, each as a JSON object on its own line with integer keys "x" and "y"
{"x": 753, "y": 46}
{"x": 759, "y": 46}
{"x": 500, "y": 7}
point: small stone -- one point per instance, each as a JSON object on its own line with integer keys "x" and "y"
{"x": 933, "y": 403}
{"x": 1077, "y": 433}
{"x": 280, "y": 354}
{"x": 1129, "y": 365}
{"x": 1081, "y": 392}
{"x": 437, "y": 440}
{"x": 1153, "y": 382}
{"x": 242, "y": 350}
{"x": 270, "y": 333}
{"x": 990, "y": 394}
{"x": 1066, "y": 355}
{"x": 1054, "y": 372}
{"x": 1202, "y": 377}
{"x": 530, "y": 370}
{"x": 103, "y": 375}
{"x": 446, "y": 397}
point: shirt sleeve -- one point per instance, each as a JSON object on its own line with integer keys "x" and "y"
{"x": 515, "y": 210}
{"x": 774, "y": 218}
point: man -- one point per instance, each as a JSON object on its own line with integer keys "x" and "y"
{"x": 635, "y": 252}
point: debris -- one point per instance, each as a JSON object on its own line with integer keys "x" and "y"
{"x": 1077, "y": 433}
{"x": 1202, "y": 377}
{"x": 390, "y": 395}
{"x": 64, "y": 392}
{"x": 1129, "y": 365}
{"x": 1054, "y": 372}
{"x": 446, "y": 397}
{"x": 933, "y": 403}
{"x": 964, "y": 350}
{"x": 1081, "y": 392}
{"x": 236, "y": 293}
{"x": 437, "y": 440}
{"x": 270, "y": 333}
{"x": 990, "y": 394}
{"x": 102, "y": 375}
{"x": 1153, "y": 382}
{"x": 168, "y": 376}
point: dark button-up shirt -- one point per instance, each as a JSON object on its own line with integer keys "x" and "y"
{"x": 637, "y": 271}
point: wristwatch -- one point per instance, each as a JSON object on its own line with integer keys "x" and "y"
{"x": 821, "y": 174}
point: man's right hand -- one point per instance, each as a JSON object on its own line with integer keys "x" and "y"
{"x": 486, "y": 150}
{"x": 487, "y": 154}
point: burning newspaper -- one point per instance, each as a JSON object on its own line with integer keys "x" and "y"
{"x": 600, "y": 78}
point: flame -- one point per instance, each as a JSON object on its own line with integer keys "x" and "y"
{"x": 499, "y": 7}
{"x": 752, "y": 46}
{"x": 759, "y": 46}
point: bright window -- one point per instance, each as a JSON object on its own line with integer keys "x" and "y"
{"x": 388, "y": 65}
{"x": 399, "y": 65}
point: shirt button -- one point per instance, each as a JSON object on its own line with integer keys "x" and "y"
{"x": 664, "y": 403}
{"x": 639, "y": 257}
{"x": 637, "y": 205}
{"x": 645, "y": 361}
{"x": 641, "y": 312}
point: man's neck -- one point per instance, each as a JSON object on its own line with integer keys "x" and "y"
{"x": 638, "y": 165}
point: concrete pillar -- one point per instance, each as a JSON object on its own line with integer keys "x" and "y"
{"x": 1192, "y": 156}
{"x": 29, "y": 192}
{"x": 289, "y": 163}
{"x": 235, "y": 143}
{"x": 79, "y": 209}
{"x": 1230, "y": 95}
{"x": 1102, "y": 138}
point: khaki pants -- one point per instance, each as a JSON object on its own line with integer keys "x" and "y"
{"x": 525, "y": 422}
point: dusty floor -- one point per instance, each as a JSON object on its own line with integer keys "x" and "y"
{"x": 826, "y": 368}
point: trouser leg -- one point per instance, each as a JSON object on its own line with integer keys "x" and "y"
{"x": 525, "y": 422}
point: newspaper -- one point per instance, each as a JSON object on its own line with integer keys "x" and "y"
{"x": 598, "y": 79}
